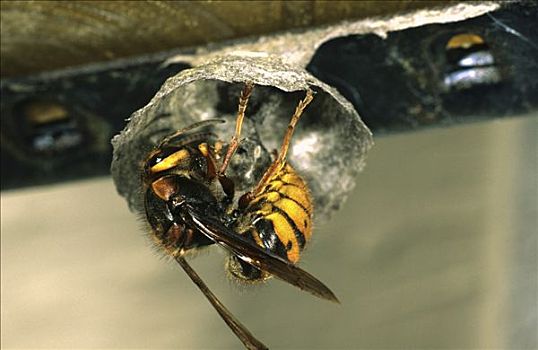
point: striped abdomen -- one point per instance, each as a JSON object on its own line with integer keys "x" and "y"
{"x": 280, "y": 217}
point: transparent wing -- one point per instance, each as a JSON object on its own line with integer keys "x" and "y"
{"x": 237, "y": 327}
{"x": 257, "y": 256}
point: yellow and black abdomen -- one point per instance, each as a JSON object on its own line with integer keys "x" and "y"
{"x": 279, "y": 218}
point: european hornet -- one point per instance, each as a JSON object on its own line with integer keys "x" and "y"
{"x": 469, "y": 62}
{"x": 189, "y": 203}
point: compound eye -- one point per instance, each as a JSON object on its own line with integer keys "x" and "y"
{"x": 165, "y": 161}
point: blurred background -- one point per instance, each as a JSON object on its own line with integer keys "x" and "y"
{"x": 436, "y": 247}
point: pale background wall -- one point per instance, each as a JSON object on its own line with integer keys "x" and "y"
{"x": 435, "y": 248}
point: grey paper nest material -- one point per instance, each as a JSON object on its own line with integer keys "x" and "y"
{"x": 328, "y": 148}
